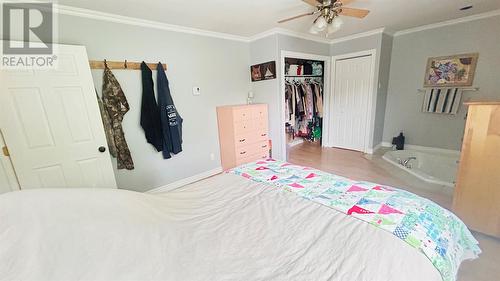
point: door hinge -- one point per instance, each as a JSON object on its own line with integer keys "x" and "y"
{"x": 5, "y": 151}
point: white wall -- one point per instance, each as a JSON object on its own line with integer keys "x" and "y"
{"x": 219, "y": 67}
{"x": 409, "y": 58}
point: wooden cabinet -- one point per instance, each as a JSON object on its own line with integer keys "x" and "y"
{"x": 477, "y": 194}
{"x": 243, "y": 134}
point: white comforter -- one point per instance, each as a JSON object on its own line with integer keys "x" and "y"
{"x": 222, "y": 228}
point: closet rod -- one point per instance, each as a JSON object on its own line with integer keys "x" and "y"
{"x": 99, "y": 64}
{"x": 305, "y": 76}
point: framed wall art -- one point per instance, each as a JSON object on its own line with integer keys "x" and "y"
{"x": 263, "y": 71}
{"x": 451, "y": 71}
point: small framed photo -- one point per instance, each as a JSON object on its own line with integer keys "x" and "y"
{"x": 451, "y": 71}
{"x": 263, "y": 71}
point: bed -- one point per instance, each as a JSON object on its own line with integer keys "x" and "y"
{"x": 227, "y": 227}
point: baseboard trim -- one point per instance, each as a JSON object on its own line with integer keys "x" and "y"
{"x": 372, "y": 150}
{"x": 424, "y": 148}
{"x": 186, "y": 181}
{"x": 386, "y": 144}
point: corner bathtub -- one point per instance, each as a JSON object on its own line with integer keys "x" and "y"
{"x": 432, "y": 165}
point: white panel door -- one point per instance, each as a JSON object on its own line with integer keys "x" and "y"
{"x": 52, "y": 125}
{"x": 349, "y": 103}
{"x": 8, "y": 180}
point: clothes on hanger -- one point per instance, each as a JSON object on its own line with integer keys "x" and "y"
{"x": 150, "y": 112}
{"x": 108, "y": 128}
{"x": 171, "y": 121}
{"x": 117, "y": 106}
{"x": 304, "y": 107}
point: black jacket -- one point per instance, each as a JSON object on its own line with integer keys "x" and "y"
{"x": 150, "y": 112}
{"x": 171, "y": 121}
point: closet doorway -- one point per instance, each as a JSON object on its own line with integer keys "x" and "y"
{"x": 305, "y": 94}
{"x": 351, "y": 109}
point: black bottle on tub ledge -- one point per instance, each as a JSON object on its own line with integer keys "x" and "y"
{"x": 399, "y": 141}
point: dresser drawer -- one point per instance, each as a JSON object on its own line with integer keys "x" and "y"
{"x": 252, "y": 150}
{"x": 262, "y": 146}
{"x": 246, "y": 139}
{"x": 260, "y": 125}
{"x": 242, "y": 114}
{"x": 243, "y": 127}
{"x": 254, "y": 157}
{"x": 244, "y": 152}
{"x": 262, "y": 135}
{"x": 259, "y": 112}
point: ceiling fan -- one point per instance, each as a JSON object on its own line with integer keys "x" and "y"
{"x": 329, "y": 12}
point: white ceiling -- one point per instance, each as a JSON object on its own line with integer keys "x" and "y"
{"x": 251, "y": 17}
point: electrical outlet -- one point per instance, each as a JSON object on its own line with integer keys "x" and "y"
{"x": 196, "y": 91}
{"x": 212, "y": 156}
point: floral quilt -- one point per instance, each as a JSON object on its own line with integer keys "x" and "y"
{"x": 423, "y": 224}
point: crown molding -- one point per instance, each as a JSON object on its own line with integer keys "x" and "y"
{"x": 92, "y": 14}
{"x": 109, "y": 17}
{"x": 282, "y": 31}
{"x": 357, "y": 35}
{"x": 493, "y": 13}
{"x": 305, "y": 36}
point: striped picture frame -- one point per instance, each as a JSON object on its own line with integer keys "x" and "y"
{"x": 442, "y": 100}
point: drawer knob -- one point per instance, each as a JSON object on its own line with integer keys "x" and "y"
{"x": 242, "y": 140}
{"x": 243, "y": 152}
{"x": 264, "y": 146}
{"x": 263, "y": 135}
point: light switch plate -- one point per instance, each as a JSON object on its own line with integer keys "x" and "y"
{"x": 196, "y": 91}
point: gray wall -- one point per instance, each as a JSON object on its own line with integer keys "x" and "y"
{"x": 357, "y": 45}
{"x": 383, "y": 87}
{"x": 409, "y": 57}
{"x": 264, "y": 50}
{"x": 219, "y": 67}
{"x": 294, "y": 44}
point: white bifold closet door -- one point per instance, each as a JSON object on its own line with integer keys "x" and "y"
{"x": 349, "y": 103}
{"x": 52, "y": 125}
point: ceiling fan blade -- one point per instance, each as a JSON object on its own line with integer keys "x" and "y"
{"x": 313, "y": 2}
{"x": 353, "y": 12}
{"x": 345, "y": 2}
{"x": 296, "y": 17}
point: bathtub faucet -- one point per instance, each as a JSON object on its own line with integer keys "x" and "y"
{"x": 406, "y": 163}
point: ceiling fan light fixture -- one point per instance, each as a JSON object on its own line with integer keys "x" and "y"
{"x": 313, "y": 30}
{"x": 332, "y": 28}
{"x": 320, "y": 24}
{"x": 337, "y": 22}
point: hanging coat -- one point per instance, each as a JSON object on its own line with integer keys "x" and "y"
{"x": 171, "y": 121}
{"x": 108, "y": 128}
{"x": 150, "y": 112}
{"x": 116, "y": 104}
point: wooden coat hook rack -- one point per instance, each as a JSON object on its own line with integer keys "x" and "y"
{"x": 99, "y": 64}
